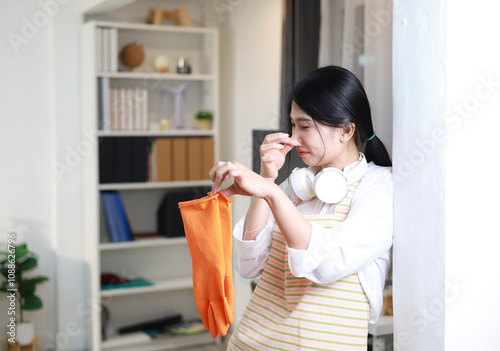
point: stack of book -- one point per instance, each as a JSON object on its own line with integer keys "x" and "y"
{"x": 116, "y": 217}
{"x": 179, "y": 159}
{"x": 142, "y": 159}
{"x": 123, "y": 108}
{"x": 107, "y": 49}
{"x": 123, "y": 159}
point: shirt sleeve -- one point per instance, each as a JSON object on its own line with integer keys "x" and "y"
{"x": 351, "y": 245}
{"x": 252, "y": 255}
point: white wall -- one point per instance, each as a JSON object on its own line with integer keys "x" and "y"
{"x": 472, "y": 124}
{"x": 250, "y": 90}
{"x": 70, "y": 148}
{"x": 41, "y": 128}
{"x": 419, "y": 166}
{"x": 446, "y": 103}
{"x": 27, "y": 185}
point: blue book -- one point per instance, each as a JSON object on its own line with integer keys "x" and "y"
{"x": 124, "y": 225}
{"x": 111, "y": 219}
{"x": 115, "y": 213}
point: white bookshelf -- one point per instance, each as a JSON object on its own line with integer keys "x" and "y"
{"x": 154, "y": 185}
{"x": 158, "y": 76}
{"x": 163, "y": 261}
{"x": 159, "y": 285}
{"x": 156, "y": 133}
{"x": 143, "y": 243}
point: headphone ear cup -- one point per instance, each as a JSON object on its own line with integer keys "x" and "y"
{"x": 331, "y": 185}
{"x": 302, "y": 180}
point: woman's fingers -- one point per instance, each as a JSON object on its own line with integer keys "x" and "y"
{"x": 219, "y": 173}
{"x": 229, "y": 191}
{"x": 280, "y": 138}
{"x": 278, "y": 142}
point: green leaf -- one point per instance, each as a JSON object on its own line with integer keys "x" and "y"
{"x": 31, "y": 303}
{"x": 28, "y": 264}
{"x": 21, "y": 251}
{"x": 37, "y": 279}
{"x": 4, "y": 272}
{"x": 27, "y": 287}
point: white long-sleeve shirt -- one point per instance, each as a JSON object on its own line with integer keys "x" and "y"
{"x": 361, "y": 243}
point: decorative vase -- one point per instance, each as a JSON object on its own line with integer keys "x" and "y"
{"x": 25, "y": 333}
{"x": 204, "y": 124}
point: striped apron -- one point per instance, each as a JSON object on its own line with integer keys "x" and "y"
{"x": 287, "y": 313}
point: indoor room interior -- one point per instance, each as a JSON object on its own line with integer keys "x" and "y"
{"x": 114, "y": 111}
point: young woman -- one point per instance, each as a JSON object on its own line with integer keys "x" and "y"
{"x": 321, "y": 241}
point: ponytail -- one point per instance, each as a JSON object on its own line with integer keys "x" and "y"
{"x": 376, "y": 151}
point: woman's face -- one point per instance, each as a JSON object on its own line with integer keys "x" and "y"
{"x": 320, "y": 144}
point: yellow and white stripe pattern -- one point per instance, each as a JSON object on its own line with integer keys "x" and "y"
{"x": 288, "y": 313}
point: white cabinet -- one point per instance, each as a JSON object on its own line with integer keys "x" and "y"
{"x": 163, "y": 261}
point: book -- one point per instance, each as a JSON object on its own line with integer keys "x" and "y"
{"x": 137, "y": 109}
{"x": 115, "y": 108}
{"x": 195, "y": 159}
{"x": 179, "y": 164}
{"x": 129, "y": 105}
{"x": 104, "y": 104}
{"x": 132, "y": 283}
{"x": 139, "y": 159}
{"x": 152, "y": 325}
{"x": 145, "y": 109}
{"x": 164, "y": 160}
{"x": 105, "y": 49}
{"x": 106, "y": 160}
{"x": 113, "y": 49}
{"x": 116, "y": 217}
{"x": 207, "y": 157}
{"x": 126, "y": 232}
{"x": 122, "y": 162}
{"x": 105, "y": 236}
{"x": 98, "y": 49}
{"x": 147, "y": 236}
{"x": 111, "y": 217}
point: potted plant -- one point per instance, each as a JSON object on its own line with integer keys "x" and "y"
{"x": 204, "y": 118}
{"x": 13, "y": 264}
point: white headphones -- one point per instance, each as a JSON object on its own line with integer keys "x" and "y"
{"x": 331, "y": 185}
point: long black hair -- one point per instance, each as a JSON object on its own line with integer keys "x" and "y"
{"x": 334, "y": 96}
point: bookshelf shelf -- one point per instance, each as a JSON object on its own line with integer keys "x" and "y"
{"x": 142, "y": 243}
{"x": 123, "y": 112}
{"x": 155, "y": 185}
{"x": 165, "y": 285}
{"x": 141, "y": 341}
{"x": 155, "y": 28}
{"x": 157, "y": 76}
{"x": 158, "y": 133}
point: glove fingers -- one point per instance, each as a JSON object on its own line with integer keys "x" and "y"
{"x": 212, "y": 321}
{"x": 229, "y": 299}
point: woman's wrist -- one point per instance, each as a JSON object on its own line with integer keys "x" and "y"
{"x": 273, "y": 194}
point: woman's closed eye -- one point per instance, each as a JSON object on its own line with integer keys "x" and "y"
{"x": 302, "y": 127}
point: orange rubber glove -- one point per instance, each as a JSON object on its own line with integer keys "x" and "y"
{"x": 226, "y": 218}
{"x": 208, "y": 234}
